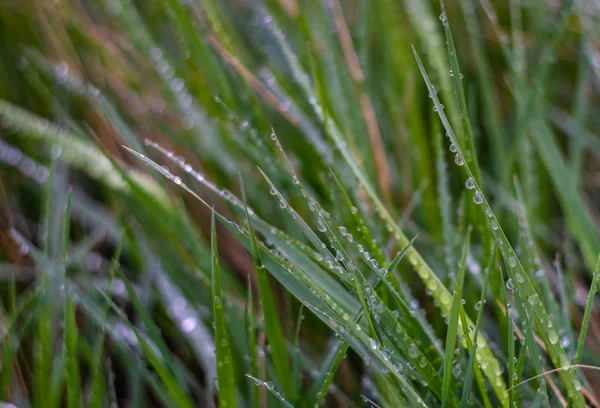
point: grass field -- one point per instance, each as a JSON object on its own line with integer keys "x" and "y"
{"x": 340, "y": 203}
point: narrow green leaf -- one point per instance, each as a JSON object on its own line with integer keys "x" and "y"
{"x": 453, "y": 321}
{"x": 225, "y": 372}
{"x": 589, "y": 306}
{"x": 73, "y": 380}
{"x": 252, "y": 346}
{"x": 466, "y": 393}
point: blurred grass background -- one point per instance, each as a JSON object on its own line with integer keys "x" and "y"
{"x": 310, "y": 138}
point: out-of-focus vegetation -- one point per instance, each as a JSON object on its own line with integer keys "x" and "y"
{"x": 299, "y": 202}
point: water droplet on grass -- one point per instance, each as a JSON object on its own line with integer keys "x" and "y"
{"x": 469, "y": 183}
{"x": 509, "y": 284}
{"x": 373, "y": 343}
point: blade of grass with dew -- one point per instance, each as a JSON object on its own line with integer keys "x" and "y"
{"x": 273, "y": 328}
{"x": 588, "y": 312}
{"x": 271, "y": 388}
{"x": 508, "y": 323}
{"x": 445, "y": 203}
{"x": 466, "y": 392}
{"x": 364, "y": 228}
{"x": 424, "y": 23}
{"x": 225, "y": 372}
{"x": 296, "y": 366}
{"x": 457, "y": 77}
{"x": 453, "y": 321}
{"x": 526, "y": 288}
{"x": 252, "y": 346}
{"x": 491, "y": 115}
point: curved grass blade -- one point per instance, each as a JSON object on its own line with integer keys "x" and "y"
{"x": 271, "y": 388}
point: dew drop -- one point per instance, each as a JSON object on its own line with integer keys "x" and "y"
{"x": 509, "y": 284}
{"x": 459, "y": 160}
{"x": 469, "y": 183}
{"x": 552, "y": 337}
{"x": 413, "y": 351}
{"x": 478, "y": 197}
{"x": 373, "y": 343}
{"x": 321, "y": 225}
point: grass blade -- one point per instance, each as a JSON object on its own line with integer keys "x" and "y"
{"x": 588, "y": 312}
{"x": 227, "y": 393}
{"x": 453, "y": 322}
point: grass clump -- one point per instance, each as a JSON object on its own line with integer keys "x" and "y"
{"x": 211, "y": 203}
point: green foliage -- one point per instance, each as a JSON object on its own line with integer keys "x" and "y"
{"x": 298, "y": 134}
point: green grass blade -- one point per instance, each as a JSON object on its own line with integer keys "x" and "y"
{"x": 588, "y": 312}
{"x": 252, "y": 346}
{"x": 453, "y": 321}
{"x": 225, "y": 372}
{"x": 271, "y": 388}
{"x": 456, "y": 78}
{"x": 73, "y": 379}
{"x": 466, "y": 393}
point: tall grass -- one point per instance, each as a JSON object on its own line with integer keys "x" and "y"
{"x": 299, "y": 203}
